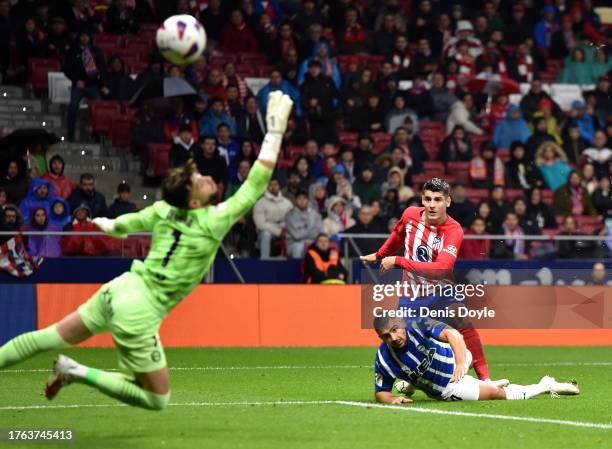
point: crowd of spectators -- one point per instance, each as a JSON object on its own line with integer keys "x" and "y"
{"x": 370, "y": 81}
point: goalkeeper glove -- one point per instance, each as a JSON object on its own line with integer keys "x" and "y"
{"x": 277, "y": 116}
{"x": 107, "y": 226}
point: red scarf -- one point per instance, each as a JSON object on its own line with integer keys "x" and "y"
{"x": 524, "y": 67}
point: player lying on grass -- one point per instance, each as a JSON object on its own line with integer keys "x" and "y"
{"x": 431, "y": 240}
{"x": 187, "y": 231}
{"x": 432, "y": 357}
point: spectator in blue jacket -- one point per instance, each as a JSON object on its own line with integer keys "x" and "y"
{"x": 278, "y": 83}
{"x": 546, "y": 27}
{"x": 512, "y": 128}
{"x": 216, "y": 115}
{"x": 60, "y": 215}
{"x": 584, "y": 121}
{"x": 40, "y": 195}
{"x": 329, "y": 68}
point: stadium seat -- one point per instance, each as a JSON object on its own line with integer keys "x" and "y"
{"x": 252, "y": 58}
{"x": 102, "y": 113}
{"x": 565, "y": 94}
{"x": 264, "y": 70}
{"x": 38, "y": 70}
{"x": 102, "y": 39}
{"x": 586, "y": 221}
{"x": 431, "y": 125}
{"x": 433, "y": 169}
{"x": 159, "y": 159}
{"x": 547, "y": 196}
{"x": 476, "y": 195}
{"x": 460, "y": 170}
{"x": 130, "y": 247}
{"x": 349, "y": 138}
{"x": 550, "y": 232}
{"x": 120, "y": 131}
{"x": 512, "y": 194}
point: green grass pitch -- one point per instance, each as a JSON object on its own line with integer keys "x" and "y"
{"x": 287, "y": 398}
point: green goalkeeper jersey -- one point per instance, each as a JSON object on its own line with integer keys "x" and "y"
{"x": 185, "y": 242}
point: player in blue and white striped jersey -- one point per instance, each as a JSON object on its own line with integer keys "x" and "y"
{"x": 432, "y": 357}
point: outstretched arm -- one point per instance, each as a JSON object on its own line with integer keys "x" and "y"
{"x": 129, "y": 223}
{"x": 230, "y": 211}
{"x": 393, "y": 243}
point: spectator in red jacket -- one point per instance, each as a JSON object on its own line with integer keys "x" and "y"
{"x": 62, "y": 186}
{"x": 475, "y": 249}
{"x": 237, "y": 36}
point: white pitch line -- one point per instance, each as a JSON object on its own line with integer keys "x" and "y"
{"x": 410, "y": 408}
{"x": 369, "y": 405}
{"x": 289, "y": 367}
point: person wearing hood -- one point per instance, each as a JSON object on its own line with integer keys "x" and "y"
{"x": 60, "y": 215}
{"x": 115, "y": 83}
{"x": 511, "y": 128}
{"x": 366, "y": 187}
{"x": 459, "y": 115}
{"x": 395, "y": 180}
{"x": 545, "y": 28}
{"x": 322, "y": 263}
{"x": 278, "y": 83}
{"x": 552, "y": 163}
{"x": 585, "y": 122}
{"x": 10, "y": 221}
{"x": 303, "y": 224}
{"x": 41, "y": 194}
{"x": 62, "y": 186}
{"x": 43, "y": 245}
{"x": 533, "y": 100}
{"x": 79, "y": 244}
{"x": 329, "y": 68}
{"x": 464, "y": 32}
{"x": 86, "y": 194}
{"x": 339, "y": 184}
{"x": 269, "y": 215}
{"x": 576, "y": 70}
{"x": 339, "y": 216}
{"x": 521, "y": 173}
{"x": 539, "y": 211}
{"x": 539, "y": 136}
{"x": 317, "y": 196}
{"x": 15, "y": 181}
{"x": 122, "y": 204}
{"x": 442, "y": 98}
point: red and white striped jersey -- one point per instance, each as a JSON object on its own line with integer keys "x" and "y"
{"x": 426, "y": 247}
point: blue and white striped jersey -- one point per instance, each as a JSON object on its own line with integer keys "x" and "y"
{"x": 424, "y": 361}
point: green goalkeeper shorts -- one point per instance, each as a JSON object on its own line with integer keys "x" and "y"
{"x": 124, "y": 307}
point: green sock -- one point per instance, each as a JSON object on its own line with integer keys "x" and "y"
{"x": 31, "y": 343}
{"x": 121, "y": 387}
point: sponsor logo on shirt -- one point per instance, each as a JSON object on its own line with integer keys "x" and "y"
{"x": 423, "y": 253}
{"x": 451, "y": 249}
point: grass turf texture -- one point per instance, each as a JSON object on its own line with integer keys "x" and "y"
{"x": 311, "y": 374}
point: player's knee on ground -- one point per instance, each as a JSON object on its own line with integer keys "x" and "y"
{"x": 157, "y": 401}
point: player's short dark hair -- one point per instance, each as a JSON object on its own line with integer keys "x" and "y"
{"x": 176, "y": 188}
{"x": 380, "y": 322}
{"x": 437, "y": 185}
{"x": 222, "y": 125}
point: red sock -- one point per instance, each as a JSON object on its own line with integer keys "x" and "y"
{"x": 473, "y": 343}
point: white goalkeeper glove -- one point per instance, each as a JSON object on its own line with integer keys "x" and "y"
{"x": 107, "y": 226}
{"x": 277, "y": 117}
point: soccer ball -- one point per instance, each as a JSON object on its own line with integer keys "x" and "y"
{"x": 181, "y": 39}
{"x": 404, "y": 387}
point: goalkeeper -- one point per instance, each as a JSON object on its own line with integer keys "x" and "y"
{"x": 187, "y": 231}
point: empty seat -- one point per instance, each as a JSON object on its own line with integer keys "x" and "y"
{"x": 38, "y": 70}
{"x": 120, "y": 131}
{"x": 159, "y": 159}
{"x": 102, "y": 113}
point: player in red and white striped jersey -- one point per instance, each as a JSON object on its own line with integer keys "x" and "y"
{"x": 431, "y": 241}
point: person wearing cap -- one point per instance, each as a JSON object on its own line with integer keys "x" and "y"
{"x": 464, "y": 32}
{"x": 546, "y": 27}
{"x": 579, "y": 115}
{"x": 302, "y": 225}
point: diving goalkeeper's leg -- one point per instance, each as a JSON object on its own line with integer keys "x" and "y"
{"x": 147, "y": 390}
{"x": 69, "y": 331}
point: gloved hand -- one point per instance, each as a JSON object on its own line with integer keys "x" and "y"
{"x": 107, "y": 226}
{"x": 277, "y": 117}
{"x": 278, "y": 110}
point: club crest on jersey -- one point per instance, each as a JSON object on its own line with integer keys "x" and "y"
{"x": 423, "y": 253}
{"x": 451, "y": 249}
{"x": 437, "y": 243}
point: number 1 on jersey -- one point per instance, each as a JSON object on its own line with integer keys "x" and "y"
{"x": 177, "y": 236}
